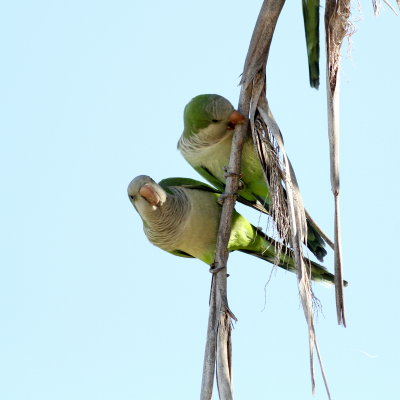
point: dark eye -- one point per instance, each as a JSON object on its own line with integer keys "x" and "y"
{"x": 215, "y": 120}
{"x": 132, "y": 197}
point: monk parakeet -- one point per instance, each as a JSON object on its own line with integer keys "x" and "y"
{"x": 182, "y": 216}
{"x": 206, "y": 141}
{"x": 311, "y": 28}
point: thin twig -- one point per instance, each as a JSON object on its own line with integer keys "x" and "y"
{"x": 211, "y": 349}
{"x": 219, "y": 322}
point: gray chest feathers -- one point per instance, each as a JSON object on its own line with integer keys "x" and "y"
{"x": 188, "y": 221}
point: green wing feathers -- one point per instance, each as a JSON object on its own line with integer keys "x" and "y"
{"x": 186, "y": 182}
{"x": 205, "y": 173}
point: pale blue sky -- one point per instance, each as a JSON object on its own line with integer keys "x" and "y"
{"x": 92, "y": 94}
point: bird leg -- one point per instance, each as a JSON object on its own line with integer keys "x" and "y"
{"x": 228, "y": 174}
{"x": 224, "y": 196}
{"x": 214, "y": 268}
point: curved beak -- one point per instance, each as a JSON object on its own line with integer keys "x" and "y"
{"x": 149, "y": 193}
{"x": 235, "y": 118}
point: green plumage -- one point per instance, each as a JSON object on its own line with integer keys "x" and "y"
{"x": 206, "y": 145}
{"x": 185, "y": 223}
{"x": 311, "y": 29}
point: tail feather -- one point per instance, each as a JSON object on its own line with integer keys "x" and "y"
{"x": 315, "y": 242}
{"x": 311, "y": 28}
{"x": 264, "y": 247}
{"x": 318, "y": 272}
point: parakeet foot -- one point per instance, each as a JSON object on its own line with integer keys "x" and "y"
{"x": 228, "y": 174}
{"x": 214, "y": 268}
{"x": 224, "y": 196}
{"x": 231, "y": 173}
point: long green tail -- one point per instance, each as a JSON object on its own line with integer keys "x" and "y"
{"x": 311, "y": 28}
{"x": 315, "y": 241}
{"x": 264, "y": 247}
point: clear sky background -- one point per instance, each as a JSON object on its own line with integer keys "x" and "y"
{"x": 92, "y": 94}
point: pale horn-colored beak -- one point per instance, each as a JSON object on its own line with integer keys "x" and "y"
{"x": 235, "y": 118}
{"x": 147, "y": 191}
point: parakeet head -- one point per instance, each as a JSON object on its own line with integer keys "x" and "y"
{"x": 210, "y": 111}
{"x": 146, "y": 195}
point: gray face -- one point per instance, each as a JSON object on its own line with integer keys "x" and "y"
{"x": 136, "y": 184}
{"x": 145, "y": 195}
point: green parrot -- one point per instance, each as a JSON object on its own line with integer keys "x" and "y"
{"x": 181, "y": 216}
{"x": 311, "y": 28}
{"x": 206, "y": 141}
